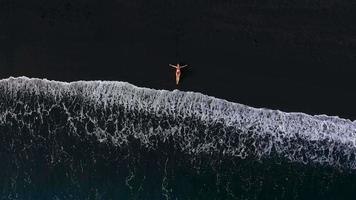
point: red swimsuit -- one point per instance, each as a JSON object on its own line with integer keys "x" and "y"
{"x": 177, "y": 72}
{"x": 177, "y": 75}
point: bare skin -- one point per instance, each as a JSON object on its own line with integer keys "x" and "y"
{"x": 178, "y": 67}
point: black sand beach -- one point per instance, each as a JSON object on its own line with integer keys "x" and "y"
{"x": 113, "y": 140}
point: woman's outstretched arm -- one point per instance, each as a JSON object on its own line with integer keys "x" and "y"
{"x": 173, "y": 66}
{"x": 184, "y": 66}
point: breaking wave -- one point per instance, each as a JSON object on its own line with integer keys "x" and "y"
{"x": 198, "y": 123}
{"x": 50, "y": 122}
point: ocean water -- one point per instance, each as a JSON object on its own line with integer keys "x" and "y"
{"x": 113, "y": 140}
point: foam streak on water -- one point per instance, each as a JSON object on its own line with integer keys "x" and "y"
{"x": 198, "y": 124}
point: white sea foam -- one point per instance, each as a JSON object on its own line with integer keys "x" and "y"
{"x": 245, "y": 131}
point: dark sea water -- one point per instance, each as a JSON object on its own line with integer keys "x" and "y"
{"x": 113, "y": 140}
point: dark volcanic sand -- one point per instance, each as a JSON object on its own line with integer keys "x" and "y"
{"x": 287, "y": 55}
